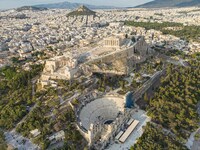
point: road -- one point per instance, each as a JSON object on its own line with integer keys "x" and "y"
{"x": 196, "y": 143}
{"x": 192, "y": 143}
{"x": 19, "y": 142}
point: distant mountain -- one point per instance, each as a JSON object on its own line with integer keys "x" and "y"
{"x": 170, "y": 3}
{"x": 192, "y": 3}
{"x": 82, "y": 10}
{"x": 33, "y": 8}
{"x": 68, "y": 5}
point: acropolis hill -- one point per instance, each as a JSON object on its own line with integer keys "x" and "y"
{"x": 117, "y": 54}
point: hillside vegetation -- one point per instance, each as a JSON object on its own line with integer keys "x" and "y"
{"x": 16, "y": 94}
{"x": 173, "y": 109}
{"x": 154, "y": 138}
{"x": 174, "y": 104}
{"x": 187, "y": 32}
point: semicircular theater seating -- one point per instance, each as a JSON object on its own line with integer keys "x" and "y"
{"x": 100, "y": 110}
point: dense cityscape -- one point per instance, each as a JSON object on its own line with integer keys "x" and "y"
{"x": 95, "y": 79}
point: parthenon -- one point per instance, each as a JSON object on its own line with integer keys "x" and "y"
{"x": 113, "y": 42}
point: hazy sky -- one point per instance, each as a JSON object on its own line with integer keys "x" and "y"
{"x": 5, "y": 4}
